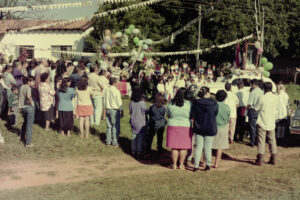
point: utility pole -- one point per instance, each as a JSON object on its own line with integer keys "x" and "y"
{"x": 199, "y": 36}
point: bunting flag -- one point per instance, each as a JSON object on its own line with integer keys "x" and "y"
{"x": 112, "y": 55}
{"x": 173, "y": 35}
{"x": 102, "y": 14}
{"x": 47, "y": 7}
{"x": 116, "y": 1}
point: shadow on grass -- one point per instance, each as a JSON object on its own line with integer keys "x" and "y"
{"x": 226, "y": 156}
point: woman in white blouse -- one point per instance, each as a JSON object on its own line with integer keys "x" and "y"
{"x": 282, "y": 112}
{"x": 161, "y": 87}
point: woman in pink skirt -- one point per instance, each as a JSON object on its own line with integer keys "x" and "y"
{"x": 84, "y": 107}
{"x": 179, "y": 133}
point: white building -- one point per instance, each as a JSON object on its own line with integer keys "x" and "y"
{"x": 41, "y": 42}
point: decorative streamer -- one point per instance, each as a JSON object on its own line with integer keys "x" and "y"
{"x": 116, "y": 1}
{"x": 162, "y": 53}
{"x": 47, "y": 7}
{"x": 173, "y": 35}
{"x": 103, "y": 14}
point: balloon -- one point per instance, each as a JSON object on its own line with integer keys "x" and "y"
{"x": 148, "y": 41}
{"x": 268, "y": 66}
{"x": 260, "y": 50}
{"x": 260, "y": 69}
{"x": 264, "y": 60}
{"x": 118, "y": 34}
{"x": 107, "y": 32}
{"x": 110, "y": 42}
{"x": 135, "y": 31}
{"x": 106, "y": 39}
{"x": 128, "y": 31}
{"x": 266, "y": 74}
{"x": 136, "y": 40}
{"x": 145, "y": 46}
{"x": 141, "y": 56}
{"x": 257, "y": 44}
{"x": 108, "y": 47}
{"x": 131, "y": 27}
{"x": 140, "y": 43}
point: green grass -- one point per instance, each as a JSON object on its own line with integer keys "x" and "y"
{"x": 241, "y": 182}
{"x": 244, "y": 182}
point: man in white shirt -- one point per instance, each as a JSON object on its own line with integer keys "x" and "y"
{"x": 180, "y": 82}
{"x": 243, "y": 97}
{"x": 253, "y": 101}
{"x": 113, "y": 111}
{"x": 97, "y": 85}
{"x": 232, "y": 101}
{"x": 266, "y": 120}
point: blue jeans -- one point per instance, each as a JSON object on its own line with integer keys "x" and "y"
{"x": 97, "y": 105}
{"x": 252, "y": 114}
{"x": 28, "y": 114}
{"x": 206, "y": 143}
{"x": 137, "y": 141}
{"x": 113, "y": 126}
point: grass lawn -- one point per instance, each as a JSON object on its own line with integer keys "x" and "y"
{"x": 243, "y": 181}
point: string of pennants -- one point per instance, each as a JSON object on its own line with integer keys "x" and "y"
{"x": 173, "y": 35}
{"x": 102, "y": 14}
{"x": 47, "y": 7}
{"x": 112, "y": 55}
{"x": 116, "y": 1}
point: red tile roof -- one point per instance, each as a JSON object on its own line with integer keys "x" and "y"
{"x": 6, "y": 25}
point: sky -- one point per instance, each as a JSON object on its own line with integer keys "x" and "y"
{"x": 71, "y": 13}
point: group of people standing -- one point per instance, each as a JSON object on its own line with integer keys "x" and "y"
{"x": 63, "y": 91}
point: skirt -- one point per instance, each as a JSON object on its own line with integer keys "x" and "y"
{"x": 66, "y": 120}
{"x": 179, "y": 137}
{"x": 221, "y": 139}
{"x": 84, "y": 111}
{"x": 49, "y": 115}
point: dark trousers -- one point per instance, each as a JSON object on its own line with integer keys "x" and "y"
{"x": 252, "y": 114}
{"x": 150, "y": 135}
{"x": 240, "y": 125}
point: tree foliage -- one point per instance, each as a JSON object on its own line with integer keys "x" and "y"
{"x": 222, "y": 22}
{"x": 21, "y": 14}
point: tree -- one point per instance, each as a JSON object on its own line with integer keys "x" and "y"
{"x": 21, "y": 14}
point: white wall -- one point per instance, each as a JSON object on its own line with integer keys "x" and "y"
{"x": 41, "y": 40}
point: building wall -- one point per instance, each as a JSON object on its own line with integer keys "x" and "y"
{"x": 41, "y": 40}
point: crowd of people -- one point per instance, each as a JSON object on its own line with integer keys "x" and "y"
{"x": 196, "y": 120}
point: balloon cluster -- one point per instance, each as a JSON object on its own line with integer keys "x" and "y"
{"x": 142, "y": 45}
{"x": 266, "y": 67}
{"x": 109, "y": 41}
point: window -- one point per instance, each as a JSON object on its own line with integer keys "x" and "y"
{"x": 26, "y": 52}
{"x": 59, "y": 48}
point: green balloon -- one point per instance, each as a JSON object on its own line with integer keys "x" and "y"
{"x": 266, "y": 73}
{"x": 264, "y": 60}
{"x": 136, "y": 40}
{"x": 128, "y": 31}
{"x": 268, "y": 66}
{"x": 131, "y": 27}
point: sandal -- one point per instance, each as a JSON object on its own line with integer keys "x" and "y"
{"x": 182, "y": 167}
{"x": 173, "y": 166}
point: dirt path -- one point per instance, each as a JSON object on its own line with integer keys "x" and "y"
{"x": 21, "y": 174}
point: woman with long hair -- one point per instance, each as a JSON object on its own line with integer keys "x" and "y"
{"x": 157, "y": 123}
{"x": 65, "y": 107}
{"x": 138, "y": 119}
{"x": 84, "y": 107}
{"x": 204, "y": 112}
{"x": 179, "y": 133}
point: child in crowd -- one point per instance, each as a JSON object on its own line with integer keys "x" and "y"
{"x": 157, "y": 123}
{"x": 138, "y": 112}
{"x": 13, "y": 102}
{"x": 65, "y": 107}
{"x": 84, "y": 107}
{"x": 46, "y": 95}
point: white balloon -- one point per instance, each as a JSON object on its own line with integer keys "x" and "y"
{"x": 257, "y": 44}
